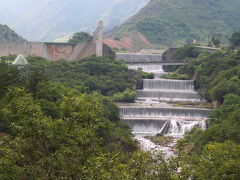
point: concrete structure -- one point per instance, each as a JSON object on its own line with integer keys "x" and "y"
{"x": 52, "y": 51}
{"x": 20, "y": 61}
{"x": 139, "y": 58}
{"x": 209, "y": 49}
{"x": 99, "y": 44}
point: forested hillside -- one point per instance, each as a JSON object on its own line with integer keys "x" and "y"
{"x": 213, "y": 153}
{"x": 47, "y": 20}
{"x": 57, "y": 121}
{"x": 7, "y": 34}
{"x": 176, "y": 22}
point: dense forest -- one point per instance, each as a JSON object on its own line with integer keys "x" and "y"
{"x": 173, "y": 23}
{"x": 213, "y": 153}
{"x": 58, "y": 121}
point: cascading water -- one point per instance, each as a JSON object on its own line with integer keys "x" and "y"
{"x": 173, "y": 127}
{"x": 167, "y": 84}
{"x": 153, "y": 67}
{"x": 139, "y": 58}
{"x": 148, "y": 126}
{"x": 154, "y": 118}
{"x": 142, "y": 111}
{"x": 168, "y": 95}
{"x": 181, "y": 127}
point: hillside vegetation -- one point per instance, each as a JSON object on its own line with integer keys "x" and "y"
{"x": 7, "y": 34}
{"x": 56, "y": 124}
{"x": 51, "y": 129}
{"x": 58, "y": 20}
{"x": 177, "y": 22}
{"x": 213, "y": 153}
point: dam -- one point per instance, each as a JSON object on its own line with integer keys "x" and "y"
{"x": 51, "y": 50}
{"x": 154, "y": 113}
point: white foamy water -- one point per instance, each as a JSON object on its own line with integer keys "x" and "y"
{"x": 150, "y": 116}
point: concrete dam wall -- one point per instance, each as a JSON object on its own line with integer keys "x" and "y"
{"x": 52, "y": 51}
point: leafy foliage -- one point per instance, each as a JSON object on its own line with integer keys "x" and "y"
{"x": 80, "y": 37}
{"x": 161, "y": 140}
{"x": 213, "y": 153}
{"x": 145, "y": 75}
{"x": 105, "y": 75}
{"x": 178, "y": 22}
{"x": 176, "y": 75}
{"x": 126, "y": 96}
{"x": 72, "y": 146}
{"x": 217, "y": 161}
{"x": 235, "y": 39}
{"x": 187, "y": 51}
{"x": 9, "y": 76}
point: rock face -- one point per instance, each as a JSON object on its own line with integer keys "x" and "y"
{"x": 52, "y": 51}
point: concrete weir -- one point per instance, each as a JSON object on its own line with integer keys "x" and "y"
{"x": 153, "y": 114}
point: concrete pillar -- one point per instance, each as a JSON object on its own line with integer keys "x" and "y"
{"x": 99, "y": 45}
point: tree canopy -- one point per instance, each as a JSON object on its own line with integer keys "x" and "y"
{"x": 80, "y": 37}
{"x": 235, "y": 39}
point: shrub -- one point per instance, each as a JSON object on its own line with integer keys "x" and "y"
{"x": 176, "y": 75}
{"x": 145, "y": 75}
{"x": 126, "y": 96}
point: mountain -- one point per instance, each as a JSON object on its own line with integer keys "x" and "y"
{"x": 7, "y": 34}
{"x": 48, "y": 20}
{"x": 168, "y": 23}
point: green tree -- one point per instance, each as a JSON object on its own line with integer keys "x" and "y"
{"x": 216, "y": 42}
{"x": 187, "y": 51}
{"x": 80, "y": 37}
{"x": 9, "y": 76}
{"x": 231, "y": 99}
{"x": 235, "y": 39}
{"x": 42, "y": 147}
{"x": 217, "y": 161}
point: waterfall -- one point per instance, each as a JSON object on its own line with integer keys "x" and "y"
{"x": 139, "y": 58}
{"x": 171, "y": 127}
{"x": 168, "y": 84}
{"x": 153, "y": 67}
{"x": 142, "y": 111}
{"x": 148, "y": 126}
{"x": 168, "y": 95}
{"x": 148, "y": 118}
{"x": 177, "y": 127}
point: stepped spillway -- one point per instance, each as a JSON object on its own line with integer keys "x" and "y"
{"x": 175, "y": 127}
{"x": 155, "y": 68}
{"x": 150, "y": 116}
{"x": 160, "y": 84}
{"x": 168, "y": 95}
{"x": 145, "y": 111}
{"x": 139, "y": 58}
{"x": 147, "y": 67}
